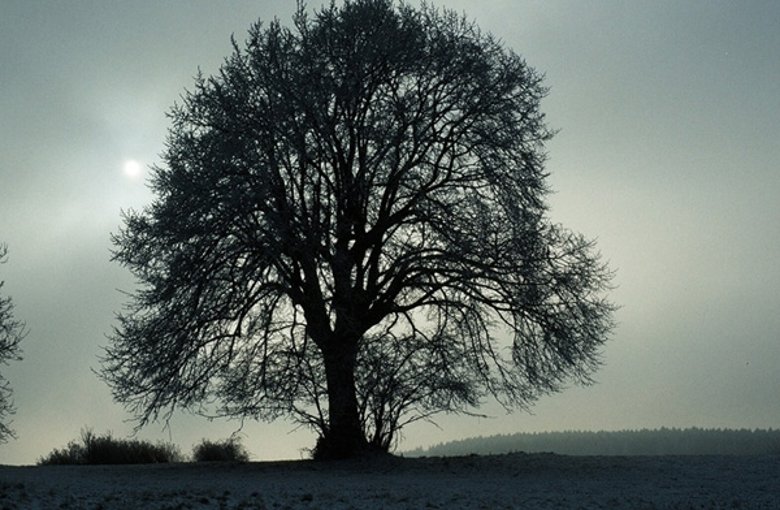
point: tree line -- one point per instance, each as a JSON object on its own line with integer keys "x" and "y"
{"x": 663, "y": 441}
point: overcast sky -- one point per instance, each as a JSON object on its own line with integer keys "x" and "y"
{"x": 668, "y": 150}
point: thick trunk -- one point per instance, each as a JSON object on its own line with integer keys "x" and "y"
{"x": 344, "y": 437}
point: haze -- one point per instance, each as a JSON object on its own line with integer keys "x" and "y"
{"x": 669, "y": 115}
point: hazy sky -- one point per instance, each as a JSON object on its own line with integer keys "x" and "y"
{"x": 669, "y": 116}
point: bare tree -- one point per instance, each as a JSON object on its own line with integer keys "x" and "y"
{"x": 350, "y": 229}
{"x": 11, "y": 334}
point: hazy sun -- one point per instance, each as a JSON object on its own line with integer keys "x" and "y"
{"x": 132, "y": 169}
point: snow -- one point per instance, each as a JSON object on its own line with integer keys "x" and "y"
{"x": 516, "y": 481}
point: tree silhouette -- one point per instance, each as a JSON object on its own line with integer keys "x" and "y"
{"x": 11, "y": 334}
{"x": 350, "y": 229}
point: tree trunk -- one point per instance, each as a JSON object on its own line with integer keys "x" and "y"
{"x": 344, "y": 437}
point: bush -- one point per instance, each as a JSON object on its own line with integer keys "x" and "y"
{"x": 229, "y": 450}
{"x": 94, "y": 449}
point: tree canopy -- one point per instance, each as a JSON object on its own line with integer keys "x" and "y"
{"x": 11, "y": 334}
{"x": 350, "y": 228}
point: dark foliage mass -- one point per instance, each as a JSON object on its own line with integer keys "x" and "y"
{"x": 350, "y": 229}
{"x": 12, "y": 332}
{"x": 228, "y": 450}
{"x": 665, "y": 441}
{"x": 105, "y": 449}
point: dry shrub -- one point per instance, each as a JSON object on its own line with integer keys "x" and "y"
{"x": 228, "y": 450}
{"x": 105, "y": 449}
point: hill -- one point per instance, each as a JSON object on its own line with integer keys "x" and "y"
{"x": 539, "y": 481}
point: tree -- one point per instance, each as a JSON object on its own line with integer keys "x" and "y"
{"x": 11, "y": 334}
{"x": 349, "y": 228}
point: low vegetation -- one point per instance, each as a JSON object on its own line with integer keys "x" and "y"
{"x": 105, "y": 449}
{"x": 228, "y": 450}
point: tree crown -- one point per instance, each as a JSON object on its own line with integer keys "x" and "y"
{"x": 367, "y": 186}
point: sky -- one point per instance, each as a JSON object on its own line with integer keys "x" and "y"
{"x": 667, "y": 154}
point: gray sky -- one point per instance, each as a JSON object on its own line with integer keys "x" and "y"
{"x": 668, "y": 154}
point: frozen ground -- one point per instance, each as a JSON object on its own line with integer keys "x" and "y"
{"x": 517, "y": 481}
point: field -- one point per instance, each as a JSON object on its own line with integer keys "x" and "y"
{"x": 517, "y": 481}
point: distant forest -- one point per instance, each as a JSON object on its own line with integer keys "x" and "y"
{"x": 664, "y": 441}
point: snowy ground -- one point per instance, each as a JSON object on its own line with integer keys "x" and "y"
{"x": 517, "y": 481}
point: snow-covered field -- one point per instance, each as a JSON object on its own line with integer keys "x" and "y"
{"x": 517, "y": 481}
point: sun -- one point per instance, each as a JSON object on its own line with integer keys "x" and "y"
{"x": 132, "y": 169}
